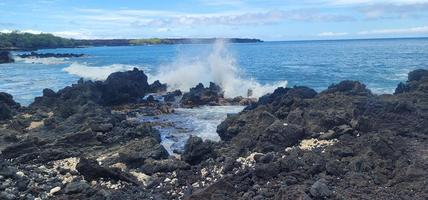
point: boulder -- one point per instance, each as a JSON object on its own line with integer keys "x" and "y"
{"x": 136, "y": 152}
{"x": 8, "y": 106}
{"x": 200, "y": 95}
{"x": 5, "y": 57}
{"x": 320, "y": 190}
{"x": 123, "y": 87}
{"x": 157, "y": 87}
{"x": 91, "y": 170}
{"x": 348, "y": 88}
{"x": 196, "y": 150}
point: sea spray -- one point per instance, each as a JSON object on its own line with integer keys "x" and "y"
{"x": 95, "y": 73}
{"x": 219, "y": 66}
{"x": 43, "y": 61}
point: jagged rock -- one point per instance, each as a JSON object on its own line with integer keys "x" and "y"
{"x": 136, "y": 152}
{"x": 7, "y": 106}
{"x": 320, "y": 190}
{"x": 171, "y": 96}
{"x": 152, "y": 166}
{"x": 157, "y": 86}
{"x": 122, "y": 87}
{"x": 50, "y": 55}
{"x": 196, "y": 150}
{"x": 91, "y": 170}
{"x": 348, "y": 88}
{"x": 5, "y": 57}
{"x": 200, "y": 95}
{"x": 76, "y": 187}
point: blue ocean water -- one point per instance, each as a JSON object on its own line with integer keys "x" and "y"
{"x": 381, "y": 64}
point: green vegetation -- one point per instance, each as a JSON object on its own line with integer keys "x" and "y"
{"x": 145, "y": 41}
{"x": 18, "y": 40}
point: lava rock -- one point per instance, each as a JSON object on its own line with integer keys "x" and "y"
{"x": 200, "y": 95}
{"x": 320, "y": 190}
{"x": 5, "y": 57}
{"x": 196, "y": 150}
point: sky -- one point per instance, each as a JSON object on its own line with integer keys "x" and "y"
{"x": 264, "y": 19}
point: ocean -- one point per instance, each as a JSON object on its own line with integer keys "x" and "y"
{"x": 379, "y": 63}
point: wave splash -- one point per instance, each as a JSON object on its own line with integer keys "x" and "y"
{"x": 95, "y": 73}
{"x": 43, "y": 61}
{"x": 219, "y": 66}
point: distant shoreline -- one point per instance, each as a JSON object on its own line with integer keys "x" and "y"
{"x": 349, "y": 39}
{"x": 17, "y": 41}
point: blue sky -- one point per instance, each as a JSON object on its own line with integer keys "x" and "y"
{"x": 264, "y": 19}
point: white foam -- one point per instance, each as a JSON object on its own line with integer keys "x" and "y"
{"x": 219, "y": 66}
{"x": 95, "y": 72}
{"x": 44, "y": 61}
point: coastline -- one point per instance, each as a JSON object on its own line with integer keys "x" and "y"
{"x": 293, "y": 143}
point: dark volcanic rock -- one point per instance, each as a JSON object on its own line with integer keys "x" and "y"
{"x": 348, "y": 88}
{"x": 152, "y": 166}
{"x": 91, "y": 170}
{"x": 50, "y": 55}
{"x": 196, "y": 150}
{"x": 136, "y": 152}
{"x": 157, "y": 86}
{"x": 370, "y": 137}
{"x": 417, "y": 81}
{"x": 124, "y": 87}
{"x": 171, "y": 96}
{"x": 118, "y": 88}
{"x": 200, "y": 95}
{"x": 8, "y": 106}
{"x": 5, "y": 57}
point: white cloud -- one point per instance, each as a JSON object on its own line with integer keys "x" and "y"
{"x": 23, "y": 31}
{"x": 413, "y": 30}
{"x": 73, "y": 34}
{"x": 332, "y": 34}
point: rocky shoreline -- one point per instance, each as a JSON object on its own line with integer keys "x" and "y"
{"x": 343, "y": 143}
{"x": 50, "y": 55}
{"x": 5, "y": 57}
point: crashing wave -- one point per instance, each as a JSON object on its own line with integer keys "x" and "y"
{"x": 44, "y": 61}
{"x": 219, "y": 66}
{"x": 95, "y": 73}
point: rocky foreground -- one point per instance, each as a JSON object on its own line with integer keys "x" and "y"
{"x": 84, "y": 142}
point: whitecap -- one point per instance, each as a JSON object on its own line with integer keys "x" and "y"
{"x": 96, "y": 73}
{"x": 44, "y": 61}
{"x": 219, "y": 66}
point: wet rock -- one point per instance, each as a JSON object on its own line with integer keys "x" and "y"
{"x": 172, "y": 96}
{"x": 121, "y": 87}
{"x": 5, "y": 57}
{"x": 200, "y": 95}
{"x": 196, "y": 150}
{"x": 157, "y": 87}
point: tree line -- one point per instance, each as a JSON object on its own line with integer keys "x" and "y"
{"x": 19, "y": 40}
